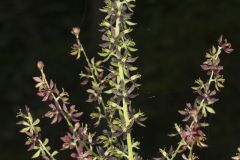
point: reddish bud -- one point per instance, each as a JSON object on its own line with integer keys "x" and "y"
{"x": 75, "y": 31}
{"x": 40, "y": 65}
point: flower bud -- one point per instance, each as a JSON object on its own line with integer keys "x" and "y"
{"x": 40, "y": 65}
{"x": 75, "y": 31}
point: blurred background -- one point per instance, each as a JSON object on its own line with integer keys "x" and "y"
{"x": 172, "y": 37}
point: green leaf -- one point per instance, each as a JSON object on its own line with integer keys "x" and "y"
{"x": 130, "y": 23}
{"x": 137, "y": 76}
{"x": 36, "y": 122}
{"x": 164, "y": 153}
{"x": 54, "y": 153}
{"x": 204, "y": 124}
{"x": 23, "y": 123}
{"x": 204, "y": 112}
{"x": 102, "y": 138}
{"x": 136, "y": 145}
{"x": 133, "y": 68}
{"x": 37, "y": 129}
{"x": 213, "y": 50}
{"x": 132, "y": 49}
{"x": 177, "y": 127}
{"x": 210, "y": 110}
{"x": 105, "y": 24}
{"x": 127, "y": 31}
{"x": 114, "y": 105}
{"x": 24, "y": 130}
{"x": 37, "y": 154}
{"x": 90, "y": 91}
{"x": 45, "y": 141}
{"x": 117, "y": 28}
{"x": 108, "y": 91}
{"x": 48, "y": 148}
{"x": 103, "y": 54}
{"x": 104, "y": 10}
{"x": 76, "y": 53}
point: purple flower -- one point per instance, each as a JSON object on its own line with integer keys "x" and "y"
{"x": 81, "y": 154}
{"x": 192, "y": 134}
{"x": 227, "y": 47}
{"x": 44, "y": 90}
{"x": 72, "y": 113}
{"x": 207, "y": 95}
{"x": 212, "y": 66}
{"x": 189, "y": 112}
{"x": 54, "y": 114}
{"x": 68, "y": 141}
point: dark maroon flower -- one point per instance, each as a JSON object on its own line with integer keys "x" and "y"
{"x": 68, "y": 141}
{"x": 189, "y": 112}
{"x": 212, "y": 66}
{"x": 54, "y": 114}
{"x": 227, "y": 47}
{"x": 44, "y": 90}
{"x": 72, "y": 113}
{"x": 192, "y": 134}
{"x": 207, "y": 95}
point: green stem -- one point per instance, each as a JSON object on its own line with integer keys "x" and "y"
{"x": 92, "y": 73}
{"x": 45, "y": 149}
{"x": 178, "y": 148}
{"x": 129, "y": 138}
{"x": 126, "y": 116}
{"x": 87, "y": 59}
{"x": 190, "y": 152}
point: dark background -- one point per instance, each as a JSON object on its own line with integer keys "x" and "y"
{"x": 172, "y": 37}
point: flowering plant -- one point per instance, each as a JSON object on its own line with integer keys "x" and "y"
{"x": 112, "y": 82}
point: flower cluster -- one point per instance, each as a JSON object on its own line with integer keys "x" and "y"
{"x": 192, "y": 134}
{"x": 32, "y": 131}
{"x": 60, "y": 108}
{"x": 49, "y": 92}
{"x": 226, "y": 46}
{"x": 83, "y": 136}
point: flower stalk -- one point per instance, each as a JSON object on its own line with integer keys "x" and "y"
{"x": 193, "y": 135}
{"x": 60, "y": 108}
